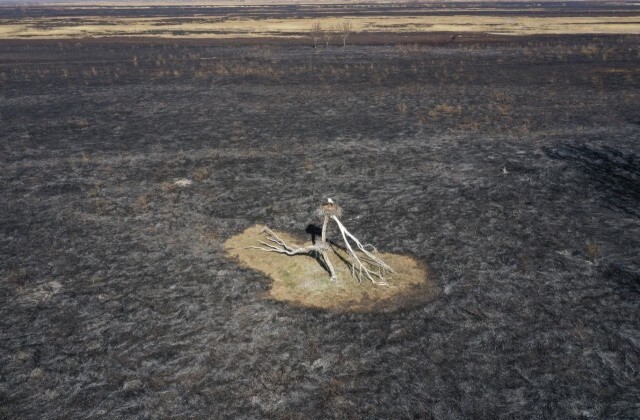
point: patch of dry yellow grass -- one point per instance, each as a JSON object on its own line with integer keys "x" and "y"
{"x": 301, "y": 281}
{"x": 249, "y": 27}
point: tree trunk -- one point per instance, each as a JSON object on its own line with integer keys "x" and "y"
{"x": 324, "y": 229}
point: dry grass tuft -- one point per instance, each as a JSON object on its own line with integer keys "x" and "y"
{"x": 308, "y": 165}
{"x": 592, "y": 250}
{"x": 102, "y": 206}
{"x": 300, "y": 280}
{"x": 141, "y": 205}
{"x": 590, "y": 50}
{"x": 206, "y": 235}
{"x": 201, "y": 174}
{"x": 18, "y": 276}
{"x": 444, "y": 109}
{"x": 402, "y": 108}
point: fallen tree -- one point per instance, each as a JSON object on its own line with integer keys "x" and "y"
{"x": 363, "y": 263}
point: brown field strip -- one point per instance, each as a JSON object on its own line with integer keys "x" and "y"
{"x": 247, "y": 27}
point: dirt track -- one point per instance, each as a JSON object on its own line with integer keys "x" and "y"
{"x": 511, "y": 170}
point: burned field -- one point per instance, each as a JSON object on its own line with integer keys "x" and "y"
{"x": 511, "y": 169}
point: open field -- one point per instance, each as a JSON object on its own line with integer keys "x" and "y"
{"x": 295, "y": 21}
{"x": 510, "y": 169}
{"x": 505, "y": 165}
{"x": 246, "y": 27}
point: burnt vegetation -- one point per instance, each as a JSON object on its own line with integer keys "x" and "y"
{"x": 510, "y": 168}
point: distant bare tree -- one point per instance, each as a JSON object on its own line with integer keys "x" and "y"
{"x": 344, "y": 30}
{"x": 327, "y": 35}
{"x": 316, "y": 33}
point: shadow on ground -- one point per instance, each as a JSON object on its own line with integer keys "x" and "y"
{"x": 614, "y": 173}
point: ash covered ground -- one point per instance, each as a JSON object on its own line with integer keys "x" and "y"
{"x": 512, "y": 169}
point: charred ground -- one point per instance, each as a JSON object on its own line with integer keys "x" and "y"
{"x": 511, "y": 169}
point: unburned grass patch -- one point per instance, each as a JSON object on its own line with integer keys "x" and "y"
{"x": 239, "y": 26}
{"x": 302, "y": 281}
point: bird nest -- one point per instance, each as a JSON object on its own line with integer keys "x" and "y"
{"x": 302, "y": 281}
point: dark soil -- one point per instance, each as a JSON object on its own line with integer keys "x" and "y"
{"x": 512, "y": 170}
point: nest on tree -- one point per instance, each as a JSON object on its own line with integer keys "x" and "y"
{"x": 329, "y": 209}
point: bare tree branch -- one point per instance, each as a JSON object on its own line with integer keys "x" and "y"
{"x": 316, "y": 33}
{"x": 344, "y": 29}
{"x": 327, "y": 35}
{"x": 345, "y": 233}
{"x": 363, "y": 267}
{"x": 281, "y": 246}
{"x": 363, "y": 264}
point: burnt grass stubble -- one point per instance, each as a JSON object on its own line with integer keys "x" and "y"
{"x": 117, "y": 298}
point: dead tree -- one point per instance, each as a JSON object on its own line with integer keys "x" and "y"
{"x": 316, "y": 33}
{"x": 344, "y": 30}
{"x": 327, "y": 35}
{"x": 363, "y": 262}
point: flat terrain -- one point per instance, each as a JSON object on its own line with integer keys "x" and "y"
{"x": 511, "y": 168}
{"x": 294, "y": 21}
